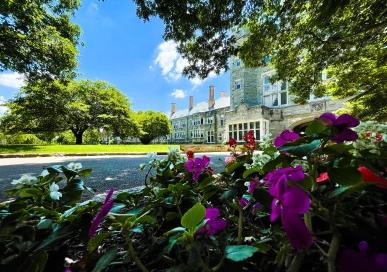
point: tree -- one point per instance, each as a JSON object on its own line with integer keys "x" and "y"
{"x": 300, "y": 39}
{"x": 37, "y": 38}
{"x": 78, "y": 106}
{"x": 152, "y": 125}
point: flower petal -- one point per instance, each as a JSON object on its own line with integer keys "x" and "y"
{"x": 275, "y": 210}
{"x": 328, "y": 118}
{"x": 212, "y": 213}
{"x": 298, "y": 234}
{"x": 347, "y": 120}
{"x": 295, "y": 200}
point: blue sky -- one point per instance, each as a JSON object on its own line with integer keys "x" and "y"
{"x": 132, "y": 55}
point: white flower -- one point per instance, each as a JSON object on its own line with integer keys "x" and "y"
{"x": 54, "y": 194}
{"x": 74, "y": 166}
{"x": 44, "y": 173}
{"x": 24, "y": 180}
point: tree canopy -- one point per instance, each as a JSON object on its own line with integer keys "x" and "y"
{"x": 301, "y": 39}
{"x": 77, "y": 106}
{"x": 152, "y": 125}
{"x": 37, "y": 38}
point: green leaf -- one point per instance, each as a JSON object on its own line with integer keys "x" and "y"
{"x": 344, "y": 190}
{"x": 44, "y": 224}
{"x": 315, "y": 127}
{"x": 36, "y": 262}
{"x": 59, "y": 235}
{"x": 85, "y": 172}
{"x": 29, "y": 192}
{"x": 175, "y": 230}
{"x": 96, "y": 241}
{"x": 301, "y": 149}
{"x": 251, "y": 171}
{"x": 240, "y": 252}
{"x": 345, "y": 176}
{"x": 229, "y": 194}
{"x": 105, "y": 260}
{"x": 117, "y": 207}
{"x": 193, "y": 216}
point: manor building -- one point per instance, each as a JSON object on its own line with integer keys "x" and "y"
{"x": 254, "y": 103}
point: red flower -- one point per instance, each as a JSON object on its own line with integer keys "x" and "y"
{"x": 323, "y": 177}
{"x": 232, "y": 142}
{"x": 190, "y": 154}
{"x": 379, "y": 137}
{"x": 370, "y": 176}
{"x": 250, "y": 140}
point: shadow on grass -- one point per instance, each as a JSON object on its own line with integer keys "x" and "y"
{"x": 10, "y": 149}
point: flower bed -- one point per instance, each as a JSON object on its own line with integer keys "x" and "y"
{"x": 310, "y": 202}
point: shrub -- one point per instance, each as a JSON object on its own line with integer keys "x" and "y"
{"x": 309, "y": 203}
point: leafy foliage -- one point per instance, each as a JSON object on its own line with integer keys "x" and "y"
{"x": 152, "y": 125}
{"x": 38, "y": 39}
{"x": 300, "y": 39}
{"x": 77, "y": 106}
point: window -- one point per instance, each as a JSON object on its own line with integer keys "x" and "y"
{"x": 275, "y": 100}
{"x": 238, "y": 63}
{"x": 237, "y": 84}
{"x": 210, "y": 136}
{"x": 210, "y": 120}
{"x": 284, "y": 98}
{"x": 221, "y": 120}
{"x": 238, "y": 131}
{"x": 220, "y": 137}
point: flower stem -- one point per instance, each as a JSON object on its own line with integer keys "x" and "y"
{"x": 296, "y": 262}
{"x": 332, "y": 252}
{"x": 240, "y": 224}
{"x": 132, "y": 253}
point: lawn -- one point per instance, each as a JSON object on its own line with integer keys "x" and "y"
{"x": 40, "y": 149}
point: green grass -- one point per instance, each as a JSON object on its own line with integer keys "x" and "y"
{"x": 39, "y": 149}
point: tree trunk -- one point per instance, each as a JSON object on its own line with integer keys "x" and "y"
{"x": 78, "y": 134}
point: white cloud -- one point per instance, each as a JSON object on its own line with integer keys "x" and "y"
{"x": 12, "y": 80}
{"x": 172, "y": 63}
{"x": 3, "y": 108}
{"x": 178, "y": 93}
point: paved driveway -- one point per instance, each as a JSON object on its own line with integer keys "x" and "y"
{"x": 116, "y": 172}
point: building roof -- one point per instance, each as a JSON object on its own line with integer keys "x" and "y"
{"x": 221, "y": 102}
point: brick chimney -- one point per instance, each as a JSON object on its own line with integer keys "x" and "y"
{"x": 173, "y": 108}
{"x": 191, "y": 103}
{"x": 211, "y": 96}
{"x": 223, "y": 94}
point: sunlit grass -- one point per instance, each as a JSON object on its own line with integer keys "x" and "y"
{"x": 39, "y": 149}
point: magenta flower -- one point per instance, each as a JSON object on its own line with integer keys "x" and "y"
{"x": 197, "y": 166}
{"x": 105, "y": 209}
{"x": 243, "y": 202}
{"x": 343, "y": 125}
{"x": 214, "y": 223}
{"x": 285, "y": 137}
{"x": 252, "y": 185}
{"x": 289, "y": 203}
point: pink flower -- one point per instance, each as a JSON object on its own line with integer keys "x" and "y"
{"x": 197, "y": 166}
{"x": 229, "y": 159}
{"x": 214, "y": 223}
{"x": 285, "y": 137}
{"x": 105, "y": 209}
{"x": 323, "y": 177}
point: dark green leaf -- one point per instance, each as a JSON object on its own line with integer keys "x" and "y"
{"x": 301, "y": 149}
{"x": 105, "y": 260}
{"x": 239, "y": 253}
{"x": 345, "y": 176}
{"x": 85, "y": 172}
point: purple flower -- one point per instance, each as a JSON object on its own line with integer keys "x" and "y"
{"x": 197, "y": 166}
{"x": 361, "y": 260}
{"x": 243, "y": 202}
{"x": 289, "y": 203}
{"x": 343, "y": 124}
{"x": 67, "y": 269}
{"x": 106, "y": 207}
{"x": 252, "y": 185}
{"x": 214, "y": 223}
{"x": 285, "y": 137}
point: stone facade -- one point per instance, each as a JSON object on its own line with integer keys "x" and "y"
{"x": 255, "y": 103}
